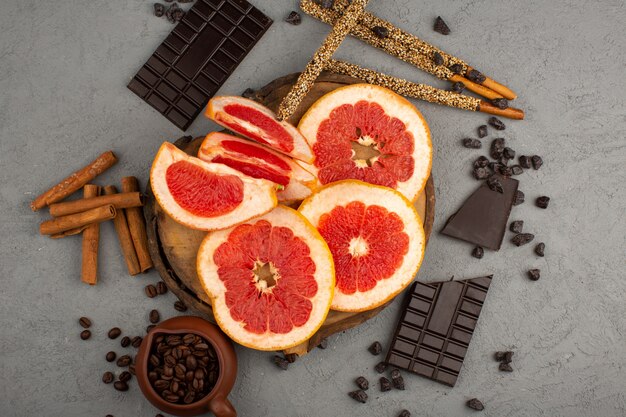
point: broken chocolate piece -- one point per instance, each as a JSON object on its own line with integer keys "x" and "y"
{"x": 249, "y": 93}
{"x": 396, "y": 380}
{"x": 517, "y": 226}
{"x": 496, "y": 123}
{"x": 159, "y": 9}
{"x": 385, "y": 384}
{"x": 481, "y": 162}
{"x": 458, "y": 87}
{"x": 294, "y": 18}
{"x": 358, "y": 395}
{"x": 522, "y": 239}
{"x": 506, "y": 356}
{"x": 281, "y": 362}
{"x": 505, "y": 170}
{"x": 291, "y": 357}
{"x": 494, "y": 184}
{"x": 518, "y": 198}
{"x": 475, "y": 404}
{"x": 476, "y": 76}
{"x": 478, "y": 252}
{"x": 481, "y": 173}
{"x": 537, "y": 161}
{"x": 542, "y": 202}
{"x": 404, "y": 413}
{"x": 471, "y": 143}
{"x": 540, "y": 248}
{"x": 323, "y": 344}
{"x": 505, "y": 367}
{"x": 381, "y": 367}
{"x": 362, "y": 383}
{"x": 524, "y": 161}
{"x": 497, "y": 148}
{"x": 516, "y": 170}
{"x": 534, "y": 274}
{"x": 508, "y": 153}
{"x": 482, "y": 131}
{"x": 375, "y": 348}
{"x": 441, "y": 26}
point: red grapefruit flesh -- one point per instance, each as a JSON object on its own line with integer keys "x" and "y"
{"x": 376, "y": 239}
{"x": 255, "y": 121}
{"x": 369, "y": 133}
{"x": 259, "y": 161}
{"x": 270, "y": 280}
{"x": 206, "y": 196}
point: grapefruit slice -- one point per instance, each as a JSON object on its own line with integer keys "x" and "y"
{"x": 376, "y": 238}
{"x": 255, "y": 121}
{"x": 259, "y": 161}
{"x": 270, "y": 280}
{"x": 206, "y": 196}
{"x": 372, "y": 134}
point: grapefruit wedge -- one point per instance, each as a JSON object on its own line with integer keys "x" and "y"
{"x": 270, "y": 280}
{"x": 206, "y": 196}
{"x": 376, "y": 238}
{"x": 255, "y": 121}
{"x": 372, "y": 134}
{"x": 259, "y": 161}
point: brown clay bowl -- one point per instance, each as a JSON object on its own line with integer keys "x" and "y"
{"x": 215, "y": 401}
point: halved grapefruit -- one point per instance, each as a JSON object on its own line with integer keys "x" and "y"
{"x": 255, "y": 121}
{"x": 259, "y": 161}
{"x": 372, "y": 134}
{"x": 207, "y": 196}
{"x": 376, "y": 238}
{"x": 270, "y": 280}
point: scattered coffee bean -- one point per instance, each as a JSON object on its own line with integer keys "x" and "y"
{"x": 161, "y": 288}
{"x": 159, "y": 9}
{"x": 294, "y": 18}
{"x": 150, "y": 291}
{"x": 496, "y": 123}
{"x": 381, "y": 367}
{"x": 290, "y": 357}
{"x": 397, "y": 380}
{"x": 437, "y": 58}
{"x": 540, "y": 248}
{"x": 522, "y": 239}
{"x": 136, "y": 341}
{"x": 358, "y": 395}
{"x": 536, "y": 161}
{"x": 542, "y": 202}
{"x": 323, "y": 344}
{"x": 326, "y": 4}
{"x": 517, "y": 226}
{"x": 131, "y": 369}
{"x": 472, "y": 143}
{"x": 524, "y": 161}
{"x": 85, "y": 334}
{"x": 534, "y": 274}
{"x": 494, "y": 184}
{"x": 125, "y": 342}
{"x": 281, "y": 362}
{"x": 456, "y": 68}
{"x": 155, "y": 317}
{"x": 84, "y": 322}
{"x": 478, "y": 252}
{"x": 475, "y": 404}
{"x": 108, "y": 377}
{"x": 385, "y": 384}
{"x": 404, "y": 413}
{"x": 120, "y": 386}
{"x": 380, "y": 31}
{"x": 150, "y": 327}
{"x": 110, "y": 356}
{"x": 500, "y": 103}
{"x": 180, "y": 306}
{"x": 505, "y": 367}
{"x": 497, "y": 148}
{"x": 476, "y": 76}
{"x": 458, "y": 87}
{"x": 481, "y": 173}
{"x": 125, "y": 376}
{"x": 114, "y": 333}
{"x": 362, "y": 383}
{"x": 482, "y": 131}
{"x": 516, "y": 170}
{"x": 375, "y": 348}
{"x": 508, "y": 153}
{"x": 123, "y": 361}
{"x": 441, "y": 26}
{"x": 518, "y": 198}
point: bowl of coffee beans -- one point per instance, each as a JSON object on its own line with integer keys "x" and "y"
{"x": 186, "y": 366}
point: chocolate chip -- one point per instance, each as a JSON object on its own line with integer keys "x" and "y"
{"x": 294, "y": 18}
{"x": 159, "y": 9}
{"x": 441, "y": 27}
{"x": 84, "y": 322}
{"x": 456, "y": 68}
{"x": 517, "y": 226}
{"x": 508, "y": 153}
{"x": 537, "y": 161}
{"x": 381, "y": 367}
{"x": 385, "y": 384}
{"x": 85, "y": 334}
{"x": 534, "y": 274}
{"x": 540, "y": 248}
{"x": 404, "y": 413}
{"x": 437, "y": 58}
{"x": 496, "y": 123}
{"x": 522, "y": 239}
{"x": 476, "y": 76}
{"x": 497, "y": 148}
{"x": 110, "y": 356}
{"x": 478, "y": 252}
{"x": 475, "y": 404}
{"x": 362, "y": 383}
{"x": 281, "y": 362}
{"x": 481, "y": 173}
{"x": 516, "y": 170}
{"x": 505, "y": 367}
{"x": 375, "y": 348}
{"x": 290, "y": 357}
{"x": 518, "y": 198}
{"x": 524, "y": 161}
{"x": 125, "y": 342}
{"x": 542, "y": 202}
{"x": 494, "y": 184}
{"x": 504, "y": 356}
{"x": 482, "y": 131}
{"x": 358, "y": 395}
{"x": 458, "y": 87}
{"x": 380, "y": 31}
{"x": 397, "y": 380}
{"x": 472, "y": 143}
{"x": 108, "y": 377}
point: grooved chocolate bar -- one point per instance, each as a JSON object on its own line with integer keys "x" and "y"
{"x": 436, "y": 327}
{"x": 198, "y": 56}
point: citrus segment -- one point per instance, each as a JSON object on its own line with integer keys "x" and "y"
{"x": 376, "y": 239}
{"x": 270, "y": 280}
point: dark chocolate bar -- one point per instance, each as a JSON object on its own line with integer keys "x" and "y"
{"x": 198, "y": 56}
{"x": 483, "y": 217}
{"x": 436, "y": 326}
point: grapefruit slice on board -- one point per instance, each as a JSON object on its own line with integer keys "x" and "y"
{"x": 255, "y": 121}
{"x": 259, "y": 161}
{"x": 376, "y": 238}
{"x": 270, "y": 280}
{"x": 206, "y": 196}
{"x": 372, "y": 134}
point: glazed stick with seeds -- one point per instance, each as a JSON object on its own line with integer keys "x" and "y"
{"x": 341, "y": 28}
{"x": 421, "y": 91}
{"x": 410, "y": 49}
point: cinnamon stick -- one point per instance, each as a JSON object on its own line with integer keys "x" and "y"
{"x": 120, "y": 201}
{"x": 137, "y": 226}
{"x": 74, "y": 221}
{"x": 123, "y": 235}
{"x": 71, "y": 232}
{"x": 91, "y": 240}
{"x": 75, "y": 181}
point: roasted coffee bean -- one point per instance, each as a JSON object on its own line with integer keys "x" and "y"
{"x": 508, "y": 153}
{"x": 517, "y": 226}
{"x": 189, "y": 339}
{"x": 522, "y": 239}
{"x": 114, "y": 333}
{"x": 518, "y": 198}
{"x": 291, "y": 357}
{"x": 358, "y": 395}
{"x": 385, "y": 384}
{"x": 108, "y": 377}
{"x": 170, "y": 361}
{"x": 362, "y": 383}
{"x": 458, "y": 87}
{"x": 496, "y": 123}
{"x": 481, "y": 173}
{"x": 84, "y": 322}
{"x": 281, "y": 362}
{"x": 380, "y": 31}
{"x": 150, "y": 327}
{"x": 536, "y": 161}
{"x": 173, "y": 340}
{"x": 124, "y": 361}
{"x": 476, "y": 76}
{"x": 171, "y": 398}
{"x": 375, "y": 348}
{"x": 381, "y": 367}
{"x": 441, "y": 27}
{"x": 540, "y": 248}
{"x": 475, "y": 404}
{"x": 323, "y": 344}
{"x": 189, "y": 398}
{"x": 110, "y": 356}
{"x": 500, "y": 103}
{"x": 154, "y": 360}
{"x": 180, "y": 306}
{"x": 404, "y": 413}
{"x": 159, "y": 9}
{"x": 542, "y": 202}
{"x": 524, "y": 161}
{"x": 161, "y": 288}
{"x": 494, "y": 184}
{"x": 174, "y": 386}
{"x": 191, "y": 363}
{"x": 120, "y": 386}
{"x": 456, "y": 68}
{"x": 150, "y": 291}
{"x": 505, "y": 367}
{"x": 482, "y": 131}
{"x": 516, "y": 170}
{"x": 125, "y": 376}
{"x": 136, "y": 341}
{"x": 294, "y": 18}
{"x": 397, "y": 380}
{"x": 478, "y": 252}
{"x": 131, "y": 369}
{"x": 472, "y": 143}
{"x": 437, "y": 58}
{"x": 85, "y": 334}
{"x": 534, "y": 274}
{"x": 497, "y": 148}
{"x": 125, "y": 341}
{"x": 161, "y": 384}
{"x": 481, "y": 162}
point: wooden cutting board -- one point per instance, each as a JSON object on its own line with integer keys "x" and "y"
{"x": 173, "y": 247}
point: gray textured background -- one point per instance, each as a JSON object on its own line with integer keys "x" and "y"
{"x": 63, "y": 70}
